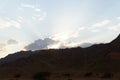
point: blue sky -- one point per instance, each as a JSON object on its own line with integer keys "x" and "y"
{"x": 64, "y": 22}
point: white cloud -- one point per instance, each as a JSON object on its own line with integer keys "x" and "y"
{"x": 37, "y": 9}
{"x": 9, "y": 23}
{"x": 100, "y": 24}
{"x": 115, "y": 27}
{"x": 2, "y": 46}
{"x": 63, "y": 36}
{"x": 56, "y": 45}
{"x": 27, "y": 6}
{"x": 95, "y": 30}
{"x": 30, "y": 6}
{"x": 20, "y": 18}
{"x": 49, "y": 43}
{"x": 40, "y": 16}
{"x": 35, "y": 12}
{"x": 56, "y": 41}
{"x": 81, "y": 28}
{"x": 118, "y": 17}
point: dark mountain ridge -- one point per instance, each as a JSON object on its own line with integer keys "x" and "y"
{"x": 97, "y": 58}
{"x": 15, "y": 56}
{"x": 109, "y": 46}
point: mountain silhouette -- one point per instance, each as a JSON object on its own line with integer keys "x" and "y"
{"x": 98, "y": 58}
{"x": 15, "y": 56}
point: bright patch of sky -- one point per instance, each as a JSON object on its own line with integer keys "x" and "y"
{"x": 69, "y": 22}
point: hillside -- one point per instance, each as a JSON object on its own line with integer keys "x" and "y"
{"x": 98, "y": 59}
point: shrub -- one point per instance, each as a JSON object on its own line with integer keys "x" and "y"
{"x": 41, "y": 75}
{"x": 67, "y": 74}
{"x": 88, "y": 74}
{"x": 107, "y": 75}
{"x": 17, "y": 75}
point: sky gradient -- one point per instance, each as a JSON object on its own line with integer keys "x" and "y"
{"x": 26, "y": 24}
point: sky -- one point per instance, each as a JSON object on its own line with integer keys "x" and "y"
{"x": 45, "y": 24}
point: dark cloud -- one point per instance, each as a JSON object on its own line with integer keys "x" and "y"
{"x": 84, "y": 45}
{"x": 12, "y": 41}
{"x": 40, "y": 44}
{"x": 50, "y": 43}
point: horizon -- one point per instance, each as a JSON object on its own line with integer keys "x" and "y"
{"x": 38, "y": 24}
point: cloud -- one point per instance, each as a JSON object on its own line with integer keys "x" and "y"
{"x": 49, "y": 43}
{"x": 39, "y": 16}
{"x": 84, "y": 45}
{"x": 118, "y": 18}
{"x": 57, "y": 45}
{"x": 40, "y": 44}
{"x": 81, "y": 28}
{"x": 100, "y": 24}
{"x": 95, "y": 30}
{"x": 34, "y": 13}
{"x": 20, "y": 19}
{"x": 37, "y": 9}
{"x": 115, "y": 27}
{"x": 12, "y": 41}
{"x": 71, "y": 44}
{"x": 97, "y": 27}
{"x": 9, "y": 23}
{"x": 30, "y": 6}
{"x": 10, "y": 46}
{"x": 2, "y": 46}
{"x": 64, "y": 36}
{"x": 60, "y": 40}
{"x": 27, "y": 6}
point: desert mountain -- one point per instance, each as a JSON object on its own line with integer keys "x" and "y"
{"x": 97, "y": 58}
{"x": 15, "y": 56}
